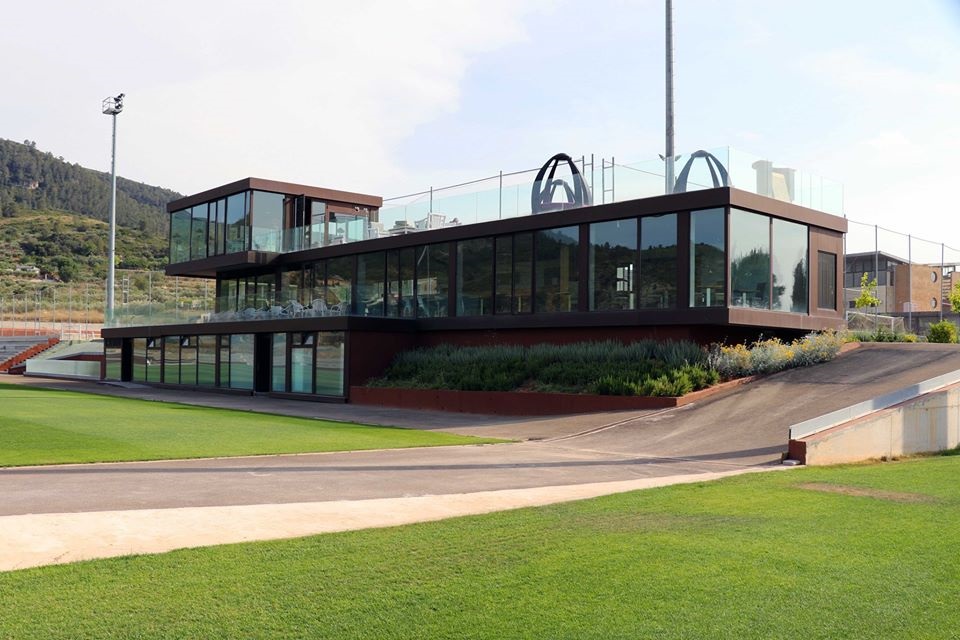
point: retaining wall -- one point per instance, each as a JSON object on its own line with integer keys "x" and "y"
{"x": 926, "y": 424}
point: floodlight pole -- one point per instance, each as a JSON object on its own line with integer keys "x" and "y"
{"x": 112, "y": 107}
{"x": 669, "y": 152}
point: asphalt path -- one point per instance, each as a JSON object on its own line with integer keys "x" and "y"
{"x": 743, "y": 428}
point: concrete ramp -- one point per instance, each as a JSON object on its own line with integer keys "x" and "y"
{"x": 751, "y": 424}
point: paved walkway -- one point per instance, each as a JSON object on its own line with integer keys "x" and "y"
{"x": 48, "y": 513}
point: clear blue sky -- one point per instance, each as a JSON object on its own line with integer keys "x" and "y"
{"x": 389, "y": 97}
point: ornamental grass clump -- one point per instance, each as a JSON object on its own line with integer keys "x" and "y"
{"x": 772, "y": 355}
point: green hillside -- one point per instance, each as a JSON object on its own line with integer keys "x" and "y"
{"x": 31, "y": 179}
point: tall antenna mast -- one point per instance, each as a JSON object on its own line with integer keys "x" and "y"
{"x": 669, "y": 153}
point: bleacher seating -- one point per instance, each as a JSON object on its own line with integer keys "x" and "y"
{"x": 15, "y": 350}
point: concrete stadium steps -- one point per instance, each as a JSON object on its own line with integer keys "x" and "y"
{"x": 15, "y": 351}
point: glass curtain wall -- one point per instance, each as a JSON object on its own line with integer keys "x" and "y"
{"x": 154, "y": 359}
{"x": 658, "y": 262}
{"x": 707, "y": 258}
{"x": 503, "y": 287}
{"x": 112, "y": 356}
{"x": 612, "y": 264}
{"x": 475, "y": 277}
{"x": 556, "y": 270}
{"x": 749, "y": 260}
{"x": 790, "y": 247}
{"x": 408, "y": 260}
{"x": 171, "y": 360}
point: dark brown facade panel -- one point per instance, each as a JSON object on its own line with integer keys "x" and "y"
{"x": 368, "y": 353}
{"x": 830, "y": 242}
{"x": 330, "y": 195}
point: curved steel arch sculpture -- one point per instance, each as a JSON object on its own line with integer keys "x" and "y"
{"x": 545, "y": 186}
{"x": 722, "y": 181}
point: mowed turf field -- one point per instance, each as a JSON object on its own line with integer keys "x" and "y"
{"x": 865, "y": 551}
{"x": 40, "y": 426}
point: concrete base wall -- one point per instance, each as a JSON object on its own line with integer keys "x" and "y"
{"x": 927, "y": 424}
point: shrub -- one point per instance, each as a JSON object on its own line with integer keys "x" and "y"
{"x": 943, "y": 331}
{"x": 769, "y": 356}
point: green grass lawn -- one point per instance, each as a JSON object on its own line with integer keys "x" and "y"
{"x": 40, "y": 426}
{"x": 846, "y": 552}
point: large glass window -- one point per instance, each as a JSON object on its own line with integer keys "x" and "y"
{"x": 613, "y": 260}
{"x": 237, "y": 222}
{"x": 278, "y": 367}
{"x": 504, "y": 277}
{"x": 523, "y": 273}
{"x": 658, "y": 262}
{"x": 224, "y": 361}
{"x": 301, "y": 362}
{"x": 339, "y": 284}
{"x": 408, "y": 259}
{"x": 171, "y": 360}
{"x": 433, "y": 280}
{"x": 267, "y": 221}
{"x": 393, "y": 283}
{"x": 241, "y": 361}
{"x": 212, "y": 228}
{"x": 475, "y": 277}
{"x": 370, "y": 284}
{"x": 556, "y": 269}
{"x": 707, "y": 263}
{"x": 827, "y": 280}
{"x": 188, "y": 360}
{"x": 789, "y": 266}
{"x": 749, "y": 260}
{"x": 139, "y": 360}
{"x": 329, "y": 364}
{"x": 207, "y": 360}
{"x": 154, "y": 359}
{"x": 294, "y": 285}
{"x": 112, "y": 356}
{"x": 198, "y": 232}
{"x": 180, "y": 236}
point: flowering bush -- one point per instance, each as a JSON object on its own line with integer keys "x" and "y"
{"x": 769, "y": 356}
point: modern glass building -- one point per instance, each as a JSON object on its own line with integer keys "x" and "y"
{"x": 316, "y": 290}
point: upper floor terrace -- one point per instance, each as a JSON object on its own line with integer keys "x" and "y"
{"x": 241, "y": 224}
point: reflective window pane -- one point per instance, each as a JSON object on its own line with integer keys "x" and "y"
{"x": 329, "y": 365}
{"x": 613, "y": 262}
{"x": 408, "y": 258}
{"x": 207, "y": 361}
{"x": 198, "y": 232}
{"x": 180, "y": 236}
{"x": 237, "y": 223}
{"x": 827, "y": 280}
{"x": 339, "y": 284}
{"x": 707, "y": 263}
{"x": 433, "y": 280}
{"x": 504, "y": 270}
{"x": 749, "y": 259}
{"x": 171, "y": 360}
{"x": 523, "y": 273}
{"x": 241, "y": 361}
{"x": 267, "y": 221}
{"x": 301, "y": 369}
{"x": 789, "y": 266}
{"x": 278, "y": 366}
{"x": 556, "y": 270}
{"x": 139, "y": 360}
{"x": 658, "y": 262}
{"x": 370, "y": 284}
{"x": 475, "y": 277}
